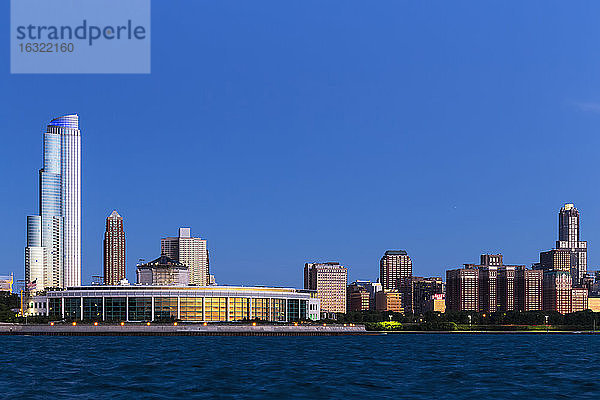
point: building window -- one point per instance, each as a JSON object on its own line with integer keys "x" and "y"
{"x": 260, "y": 309}
{"x": 115, "y": 308}
{"x": 191, "y": 309}
{"x": 215, "y": 308}
{"x": 165, "y": 308}
{"x": 72, "y": 308}
{"x": 278, "y": 311}
{"x": 293, "y": 309}
{"x": 92, "y": 308}
{"x": 140, "y": 308}
{"x": 238, "y": 308}
{"x": 55, "y": 309}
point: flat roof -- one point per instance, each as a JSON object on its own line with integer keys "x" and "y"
{"x": 182, "y": 291}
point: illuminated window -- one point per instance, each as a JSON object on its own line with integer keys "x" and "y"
{"x": 238, "y": 308}
{"x": 215, "y": 308}
{"x": 260, "y": 309}
{"x": 191, "y": 309}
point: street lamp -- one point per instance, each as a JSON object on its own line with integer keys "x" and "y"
{"x": 546, "y": 317}
{"x": 469, "y": 321}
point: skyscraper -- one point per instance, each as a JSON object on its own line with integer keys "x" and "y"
{"x": 189, "y": 251}
{"x": 114, "y": 249}
{"x": 568, "y": 238}
{"x": 394, "y": 267}
{"x": 493, "y": 286}
{"x": 357, "y": 298}
{"x": 557, "y": 289}
{"x": 423, "y": 291}
{"x": 462, "y": 289}
{"x": 528, "y": 289}
{"x": 395, "y": 274}
{"x": 329, "y": 280}
{"x": 53, "y": 252}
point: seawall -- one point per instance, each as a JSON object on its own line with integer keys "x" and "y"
{"x": 180, "y": 330}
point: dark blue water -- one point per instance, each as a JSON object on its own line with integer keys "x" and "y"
{"x": 390, "y": 366}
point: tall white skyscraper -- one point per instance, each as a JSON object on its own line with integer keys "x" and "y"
{"x": 191, "y": 252}
{"x": 53, "y": 252}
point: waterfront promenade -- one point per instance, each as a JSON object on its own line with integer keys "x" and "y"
{"x": 180, "y": 330}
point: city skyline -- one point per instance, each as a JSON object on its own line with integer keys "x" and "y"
{"x": 62, "y": 159}
{"x": 300, "y": 185}
{"x": 281, "y": 161}
{"x": 568, "y": 221}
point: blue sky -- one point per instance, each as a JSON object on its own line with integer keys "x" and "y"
{"x": 286, "y": 133}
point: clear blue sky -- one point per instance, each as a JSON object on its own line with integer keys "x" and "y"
{"x": 285, "y": 133}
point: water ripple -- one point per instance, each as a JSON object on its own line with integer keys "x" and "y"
{"x": 390, "y": 366}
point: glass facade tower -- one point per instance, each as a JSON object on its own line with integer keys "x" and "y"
{"x": 53, "y": 252}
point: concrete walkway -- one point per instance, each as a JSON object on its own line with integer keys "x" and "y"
{"x": 181, "y": 330}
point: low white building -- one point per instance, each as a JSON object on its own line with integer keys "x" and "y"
{"x": 183, "y": 303}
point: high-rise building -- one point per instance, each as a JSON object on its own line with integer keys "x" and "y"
{"x": 358, "y": 298}
{"x": 559, "y": 274}
{"x": 371, "y": 287}
{"x": 557, "y": 291}
{"x": 506, "y": 287}
{"x": 579, "y": 299}
{"x": 568, "y": 238}
{"x": 462, "y": 289}
{"x": 485, "y": 288}
{"x": 53, "y": 252}
{"x": 114, "y": 250}
{"x": 190, "y": 251}
{"x": 329, "y": 280}
{"x": 389, "y": 300}
{"x": 163, "y": 271}
{"x": 493, "y": 286}
{"x": 424, "y": 290}
{"x": 528, "y": 289}
{"x": 488, "y": 288}
{"x": 394, "y": 266}
{"x": 555, "y": 260}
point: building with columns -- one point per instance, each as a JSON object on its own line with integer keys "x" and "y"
{"x": 137, "y": 303}
{"x": 163, "y": 271}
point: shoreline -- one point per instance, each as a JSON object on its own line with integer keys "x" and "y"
{"x": 492, "y": 332}
{"x": 180, "y": 330}
{"x": 235, "y": 330}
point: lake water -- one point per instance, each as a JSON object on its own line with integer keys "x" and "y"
{"x": 385, "y": 366}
